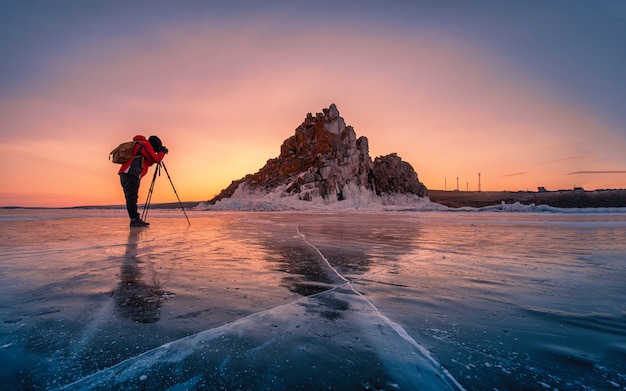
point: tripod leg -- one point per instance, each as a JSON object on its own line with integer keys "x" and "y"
{"x": 175, "y": 192}
{"x": 146, "y": 206}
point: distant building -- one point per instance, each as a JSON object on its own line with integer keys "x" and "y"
{"x": 541, "y": 189}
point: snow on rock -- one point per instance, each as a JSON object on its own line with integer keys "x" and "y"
{"x": 325, "y": 166}
{"x": 250, "y": 199}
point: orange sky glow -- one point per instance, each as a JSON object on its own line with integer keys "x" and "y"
{"x": 224, "y": 95}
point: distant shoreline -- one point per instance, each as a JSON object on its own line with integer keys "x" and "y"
{"x": 614, "y": 198}
{"x": 166, "y": 205}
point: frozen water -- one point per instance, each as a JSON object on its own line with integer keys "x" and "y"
{"x": 322, "y": 300}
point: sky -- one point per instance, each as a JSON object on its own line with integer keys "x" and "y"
{"x": 526, "y": 93}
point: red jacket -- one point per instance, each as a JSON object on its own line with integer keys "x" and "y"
{"x": 139, "y": 166}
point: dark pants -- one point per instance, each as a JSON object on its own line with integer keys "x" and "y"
{"x": 130, "y": 184}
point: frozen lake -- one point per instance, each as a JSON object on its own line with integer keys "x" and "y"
{"x": 312, "y": 301}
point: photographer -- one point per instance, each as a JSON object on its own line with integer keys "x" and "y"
{"x": 145, "y": 154}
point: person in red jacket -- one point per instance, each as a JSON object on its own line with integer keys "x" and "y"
{"x": 145, "y": 153}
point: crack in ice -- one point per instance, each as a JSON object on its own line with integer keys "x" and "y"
{"x": 394, "y": 326}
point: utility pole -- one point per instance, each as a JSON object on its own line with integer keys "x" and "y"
{"x": 479, "y": 181}
{"x": 457, "y": 183}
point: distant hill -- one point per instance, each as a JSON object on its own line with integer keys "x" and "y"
{"x": 615, "y": 198}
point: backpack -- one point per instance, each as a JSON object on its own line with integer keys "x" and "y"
{"x": 123, "y": 152}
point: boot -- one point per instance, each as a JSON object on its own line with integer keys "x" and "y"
{"x": 138, "y": 223}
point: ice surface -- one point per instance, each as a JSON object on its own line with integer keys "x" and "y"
{"x": 313, "y": 300}
{"x": 331, "y": 340}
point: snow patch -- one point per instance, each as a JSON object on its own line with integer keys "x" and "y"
{"x": 354, "y": 197}
{"x": 519, "y": 207}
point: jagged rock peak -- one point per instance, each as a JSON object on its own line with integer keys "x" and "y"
{"x": 329, "y": 118}
{"x": 392, "y": 175}
{"x": 324, "y": 161}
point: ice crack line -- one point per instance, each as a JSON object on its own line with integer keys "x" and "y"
{"x": 394, "y": 326}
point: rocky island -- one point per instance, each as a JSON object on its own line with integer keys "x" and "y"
{"x": 324, "y": 163}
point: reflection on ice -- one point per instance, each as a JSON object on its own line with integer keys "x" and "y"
{"x": 136, "y": 299}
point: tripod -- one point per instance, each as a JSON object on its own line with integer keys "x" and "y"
{"x": 146, "y": 206}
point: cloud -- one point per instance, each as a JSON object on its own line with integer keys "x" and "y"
{"x": 515, "y": 174}
{"x": 597, "y": 172}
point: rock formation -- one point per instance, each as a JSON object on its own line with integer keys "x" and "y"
{"x": 324, "y": 161}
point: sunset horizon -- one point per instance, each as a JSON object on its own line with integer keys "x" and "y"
{"x": 528, "y": 95}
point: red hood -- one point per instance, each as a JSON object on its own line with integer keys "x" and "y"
{"x": 140, "y": 138}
